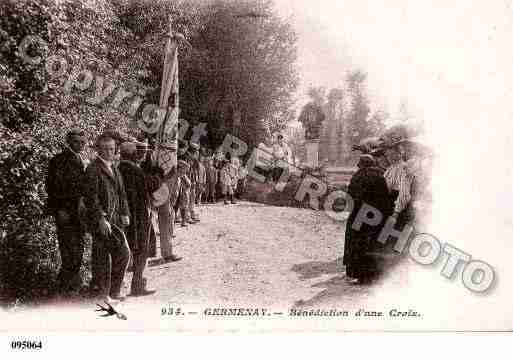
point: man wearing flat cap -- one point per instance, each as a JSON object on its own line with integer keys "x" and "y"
{"x": 163, "y": 201}
{"x": 64, "y": 185}
{"x": 138, "y": 188}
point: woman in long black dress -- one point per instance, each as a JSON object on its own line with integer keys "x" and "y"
{"x": 367, "y": 186}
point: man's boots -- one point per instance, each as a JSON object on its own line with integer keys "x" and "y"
{"x": 183, "y": 213}
{"x": 140, "y": 289}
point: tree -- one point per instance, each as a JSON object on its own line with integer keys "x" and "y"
{"x": 240, "y": 66}
{"x": 358, "y": 107}
{"x": 317, "y": 95}
{"x": 361, "y": 123}
{"x": 22, "y": 83}
{"x": 37, "y": 111}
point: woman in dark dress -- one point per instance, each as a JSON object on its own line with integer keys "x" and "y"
{"x": 367, "y": 186}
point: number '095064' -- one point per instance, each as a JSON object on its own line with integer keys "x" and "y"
{"x": 26, "y": 345}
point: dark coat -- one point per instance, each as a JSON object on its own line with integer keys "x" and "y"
{"x": 212, "y": 174}
{"x": 104, "y": 194}
{"x": 366, "y": 186}
{"x": 65, "y": 183}
{"x": 138, "y": 188}
{"x": 192, "y": 172}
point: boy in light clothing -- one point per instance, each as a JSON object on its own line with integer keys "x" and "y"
{"x": 228, "y": 177}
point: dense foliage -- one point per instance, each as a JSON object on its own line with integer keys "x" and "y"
{"x": 239, "y": 73}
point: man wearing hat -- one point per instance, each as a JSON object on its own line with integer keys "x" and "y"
{"x": 194, "y": 172}
{"x": 164, "y": 200}
{"x": 108, "y": 213}
{"x": 183, "y": 190}
{"x": 212, "y": 174}
{"x": 182, "y": 203}
{"x": 190, "y": 155}
{"x": 64, "y": 185}
{"x": 202, "y": 177}
{"x": 138, "y": 187}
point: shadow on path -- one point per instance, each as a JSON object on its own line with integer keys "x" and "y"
{"x": 314, "y": 269}
{"x": 337, "y": 289}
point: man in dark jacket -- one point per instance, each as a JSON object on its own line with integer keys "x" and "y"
{"x": 188, "y": 173}
{"x": 107, "y": 207}
{"x": 192, "y": 158}
{"x": 138, "y": 187}
{"x": 64, "y": 185}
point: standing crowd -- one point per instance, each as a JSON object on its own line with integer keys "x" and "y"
{"x": 125, "y": 201}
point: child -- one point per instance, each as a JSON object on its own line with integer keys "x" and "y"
{"x": 202, "y": 180}
{"x": 185, "y": 185}
{"x": 228, "y": 178}
{"x": 212, "y": 174}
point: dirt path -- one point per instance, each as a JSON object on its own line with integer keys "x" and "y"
{"x": 253, "y": 254}
{"x": 244, "y": 255}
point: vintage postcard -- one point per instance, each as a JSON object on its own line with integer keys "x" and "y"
{"x": 255, "y": 166}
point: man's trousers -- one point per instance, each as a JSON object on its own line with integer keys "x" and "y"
{"x": 166, "y": 226}
{"x": 139, "y": 263}
{"x": 71, "y": 247}
{"x": 192, "y": 201}
{"x": 110, "y": 260}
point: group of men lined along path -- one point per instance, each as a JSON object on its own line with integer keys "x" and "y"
{"x": 393, "y": 177}
{"x": 125, "y": 201}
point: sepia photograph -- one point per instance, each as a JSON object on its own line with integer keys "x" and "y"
{"x": 255, "y": 166}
